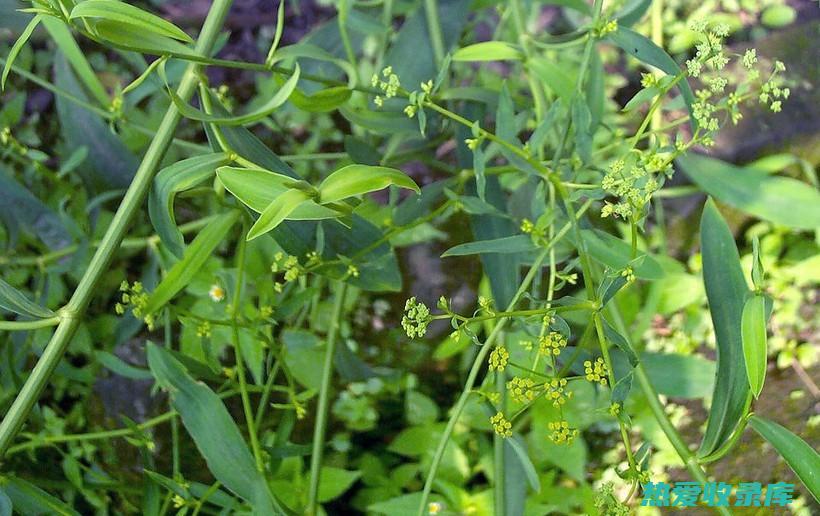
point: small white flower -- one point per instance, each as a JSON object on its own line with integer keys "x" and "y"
{"x": 216, "y": 293}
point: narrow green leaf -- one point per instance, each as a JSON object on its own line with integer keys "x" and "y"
{"x": 753, "y": 332}
{"x": 129, "y": 37}
{"x": 802, "y": 458}
{"x": 510, "y": 244}
{"x": 123, "y": 13}
{"x": 30, "y": 499}
{"x": 116, "y": 365}
{"x": 277, "y": 35}
{"x": 726, "y": 291}
{"x": 213, "y": 430}
{"x": 171, "y": 180}
{"x": 489, "y": 51}
{"x": 65, "y": 42}
{"x": 354, "y": 180}
{"x": 776, "y": 199}
{"x": 17, "y": 47}
{"x": 649, "y": 53}
{"x": 193, "y": 259}
{"x": 277, "y": 211}
{"x": 13, "y": 300}
{"x": 322, "y": 101}
{"x": 262, "y": 112}
{"x": 257, "y": 188}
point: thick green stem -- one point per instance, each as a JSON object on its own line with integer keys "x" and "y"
{"x": 324, "y": 398}
{"x": 131, "y": 203}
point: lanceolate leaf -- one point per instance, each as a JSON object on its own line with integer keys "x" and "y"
{"x": 264, "y": 111}
{"x": 649, "y": 53}
{"x": 171, "y": 180}
{"x": 13, "y": 300}
{"x": 193, "y": 259}
{"x": 753, "y": 331}
{"x": 17, "y": 47}
{"x": 510, "y": 244}
{"x": 213, "y": 430}
{"x": 777, "y": 199}
{"x": 126, "y": 14}
{"x": 258, "y": 188}
{"x": 354, "y": 180}
{"x": 489, "y": 51}
{"x": 322, "y": 101}
{"x": 129, "y": 37}
{"x": 726, "y": 291}
{"x": 802, "y": 458}
{"x": 277, "y": 211}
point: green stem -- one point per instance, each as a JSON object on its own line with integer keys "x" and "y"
{"x": 29, "y": 325}
{"x": 499, "y": 482}
{"x": 131, "y": 204}
{"x": 434, "y": 28}
{"x": 240, "y": 357}
{"x": 324, "y": 399}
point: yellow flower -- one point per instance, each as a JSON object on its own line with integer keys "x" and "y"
{"x": 501, "y": 425}
{"x": 499, "y": 358}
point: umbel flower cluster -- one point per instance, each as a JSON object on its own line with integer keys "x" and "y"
{"x": 636, "y": 176}
{"x": 532, "y": 382}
